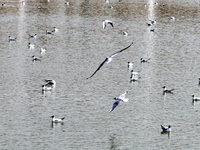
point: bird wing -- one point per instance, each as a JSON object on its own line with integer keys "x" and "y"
{"x": 121, "y": 50}
{"x": 114, "y": 105}
{"x": 109, "y": 57}
{"x": 111, "y": 24}
{"x": 123, "y": 95}
{"x": 98, "y": 68}
{"x": 164, "y": 128}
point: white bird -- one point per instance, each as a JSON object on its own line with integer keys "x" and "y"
{"x": 67, "y": 3}
{"x": 125, "y": 33}
{"x": 46, "y": 88}
{"x": 48, "y": 32}
{"x": 35, "y": 58}
{"x": 57, "y": 120}
{"x": 105, "y": 22}
{"x": 130, "y": 65}
{"x": 195, "y": 98}
{"x": 165, "y": 90}
{"x": 11, "y": 39}
{"x": 144, "y": 60}
{"x": 107, "y": 1}
{"x": 118, "y": 100}
{"x": 3, "y": 4}
{"x": 33, "y": 36}
{"x": 109, "y": 59}
{"x": 134, "y": 78}
{"x": 55, "y": 29}
{"x": 153, "y": 22}
{"x": 172, "y": 18}
{"x": 133, "y": 73}
{"x": 31, "y": 46}
{"x": 166, "y": 129}
{"x": 42, "y": 50}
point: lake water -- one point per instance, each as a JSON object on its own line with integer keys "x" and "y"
{"x": 74, "y": 53}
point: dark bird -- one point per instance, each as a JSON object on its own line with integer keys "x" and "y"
{"x": 109, "y": 59}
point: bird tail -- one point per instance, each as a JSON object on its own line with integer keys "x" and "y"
{"x": 63, "y": 118}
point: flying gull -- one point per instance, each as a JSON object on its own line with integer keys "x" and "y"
{"x": 105, "y": 22}
{"x": 109, "y": 59}
{"x": 118, "y": 100}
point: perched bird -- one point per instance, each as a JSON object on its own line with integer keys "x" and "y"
{"x": 105, "y": 22}
{"x": 165, "y": 90}
{"x": 194, "y": 98}
{"x": 11, "y": 39}
{"x": 109, "y": 59}
{"x": 35, "y": 58}
{"x": 144, "y": 60}
{"x": 118, "y": 100}
{"x": 33, "y": 36}
{"x": 57, "y": 120}
{"x": 166, "y": 129}
{"x": 46, "y": 88}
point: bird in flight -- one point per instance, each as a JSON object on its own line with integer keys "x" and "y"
{"x": 109, "y": 59}
{"x": 118, "y": 100}
{"x": 105, "y": 22}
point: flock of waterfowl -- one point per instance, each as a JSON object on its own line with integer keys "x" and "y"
{"x": 50, "y": 84}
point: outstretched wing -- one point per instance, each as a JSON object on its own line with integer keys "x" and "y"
{"x": 121, "y": 50}
{"x": 163, "y": 128}
{"x": 111, "y": 24}
{"x": 98, "y": 68}
{"x": 114, "y": 105}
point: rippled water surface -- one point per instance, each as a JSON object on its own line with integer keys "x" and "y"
{"x": 74, "y": 53}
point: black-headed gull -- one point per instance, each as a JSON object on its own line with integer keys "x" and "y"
{"x": 144, "y": 60}
{"x": 11, "y": 39}
{"x": 35, "y": 58}
{"x": 165, "y": 90}
{"x": 57, "y": 120}
{"x": 194, "y": 98}
{"x": 109, "y": 59}
{"x": 166, "y": 129}
{"x": 105, "y": 22}
{"x": 118, "y": 100}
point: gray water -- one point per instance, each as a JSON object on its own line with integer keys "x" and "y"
{"x": 74, "y": 53}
